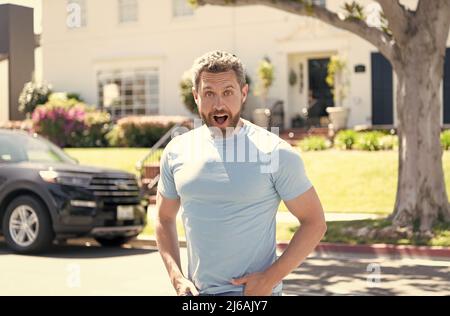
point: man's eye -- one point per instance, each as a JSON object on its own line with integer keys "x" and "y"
{"x": 209, "y": 94}
{"x": 228, "y": 93}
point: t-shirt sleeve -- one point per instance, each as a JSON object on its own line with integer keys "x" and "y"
{"x": 290, "y": 178}
{"x": 166, "y": 183}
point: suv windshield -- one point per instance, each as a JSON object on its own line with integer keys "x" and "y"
{"x": 21, "y": 147}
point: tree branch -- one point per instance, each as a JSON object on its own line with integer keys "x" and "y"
{"x": 358, "y": 27}
{"x": 434, "y": 18}
{"x": 398, "y": 18}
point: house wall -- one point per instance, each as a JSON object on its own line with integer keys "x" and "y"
{"x": 72, "y": 57}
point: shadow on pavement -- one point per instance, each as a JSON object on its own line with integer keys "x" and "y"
{"x": 328, "y": 276}
{"x": 82, "y": 251}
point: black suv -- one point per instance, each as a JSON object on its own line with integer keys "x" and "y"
{"x": 45, "y": 196}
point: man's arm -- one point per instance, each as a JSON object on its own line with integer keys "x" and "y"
{"x": 308, "y": 210}
{"x": 167, "y": 241}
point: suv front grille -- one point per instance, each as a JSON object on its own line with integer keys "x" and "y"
{"x": 115, "y": 188}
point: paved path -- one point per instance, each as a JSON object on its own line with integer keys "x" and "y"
{"x": 287, "y": 217}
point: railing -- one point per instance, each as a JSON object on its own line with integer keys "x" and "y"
{"x": 148, "y": 166}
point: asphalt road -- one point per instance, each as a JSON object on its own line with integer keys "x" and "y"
{"x": 91, "y": 270}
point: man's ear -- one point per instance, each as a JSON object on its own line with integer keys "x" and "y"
{"x": 244, "y": 93}
{"x": 195, "y": 94}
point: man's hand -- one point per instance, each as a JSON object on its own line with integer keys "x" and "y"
{"x": 185, "y": 287}
{"x": 256, "y": 284}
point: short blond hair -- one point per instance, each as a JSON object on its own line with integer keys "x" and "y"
{"x": 216, "y": 62}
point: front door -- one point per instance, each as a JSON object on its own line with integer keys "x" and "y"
{"x": 318, "y": 87}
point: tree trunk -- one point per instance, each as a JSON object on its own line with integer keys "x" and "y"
{"x": 421, "y": 196}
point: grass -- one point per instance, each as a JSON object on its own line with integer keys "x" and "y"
{"x": 346, "y": 181}
{"x": 335, "y": 233}
{"x": 357, "y": 181}
{"x": 116, "y": 158}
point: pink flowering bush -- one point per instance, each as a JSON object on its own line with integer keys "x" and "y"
{"x": 70, "y": 123}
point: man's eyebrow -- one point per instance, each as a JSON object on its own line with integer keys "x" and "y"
{"x": 210, "y": 88}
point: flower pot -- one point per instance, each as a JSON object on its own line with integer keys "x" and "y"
{"x": 338, "y": 117}
{"x": 261, "y": 117}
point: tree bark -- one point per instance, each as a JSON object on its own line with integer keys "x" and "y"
{"x": 421, "y": 196}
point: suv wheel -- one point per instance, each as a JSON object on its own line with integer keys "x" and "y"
{"x": 113, "y": 241}
{"x": 27, "y": 226}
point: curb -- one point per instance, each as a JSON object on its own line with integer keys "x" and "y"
{"x": 322, "y": 248}
{"x": 381, "y": 249}
{"x": 325, "y": 248}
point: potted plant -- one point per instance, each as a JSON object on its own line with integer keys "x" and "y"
{"x": 338, "y": 81}
{"x": 261, "y": 116}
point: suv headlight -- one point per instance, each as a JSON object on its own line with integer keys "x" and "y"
{"x": 66, "y": 178}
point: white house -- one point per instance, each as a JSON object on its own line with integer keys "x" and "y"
{"x": 128, "y": 55}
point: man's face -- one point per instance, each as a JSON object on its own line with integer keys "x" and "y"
{"x": 220, "y": 98}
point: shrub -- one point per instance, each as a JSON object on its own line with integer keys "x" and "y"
{"x": 32, "y": 95}
{"x": 389, "y": 142}
{"x": 186, "y": 93}
{"x": 142, "y": 131}
{"x": 368, "y": 141}
{"x": 98, "y": 125}
{"x": 445, "y": 140}
{"x": 70, "y": 123}
{"x": 314, "y": 143}
{"x": 345, "y": 139}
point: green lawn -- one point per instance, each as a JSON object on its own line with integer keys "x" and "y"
{"x": 346, "y": 181}
{"x": 354, "y": 181}
{"x": 117, "y": 158}
{"x": 357, "y": 181}
{"x": 336, "y": 234}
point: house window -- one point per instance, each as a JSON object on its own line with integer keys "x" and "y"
{"x": 322, "y": 3}
{"x": 76, "y": 14}
{"x": 134, "y": 92}
{"x": 181, "y": 8}
{"x": 128, "y": 11}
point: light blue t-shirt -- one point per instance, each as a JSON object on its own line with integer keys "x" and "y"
{"x": 230, "y": 190}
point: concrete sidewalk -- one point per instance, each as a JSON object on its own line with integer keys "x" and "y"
{"x": 287, "y": 217}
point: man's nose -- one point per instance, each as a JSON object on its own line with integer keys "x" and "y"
{"x": 218, "y": 103}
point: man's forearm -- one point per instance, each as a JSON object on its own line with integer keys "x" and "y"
{"x": 167, "y": 240}
{"x": 301, "y": 245}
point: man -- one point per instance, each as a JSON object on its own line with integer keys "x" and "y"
{"x": 316, "y": 109}
{"x": 229, "y": 198}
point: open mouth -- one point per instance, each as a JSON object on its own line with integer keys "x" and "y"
{"x": 220, "y": 119}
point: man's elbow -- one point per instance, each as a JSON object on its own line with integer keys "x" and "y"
{"x": 323, "y": 227}
{"x": 320, "y": 225}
